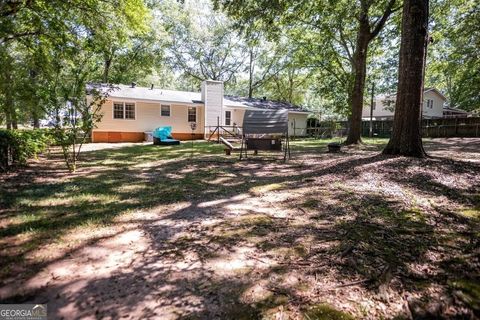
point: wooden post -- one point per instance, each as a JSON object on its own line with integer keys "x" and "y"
{"x": 218, "y": 128}
{"x": 370, "y": 134}
{"x": 294, "y": 128}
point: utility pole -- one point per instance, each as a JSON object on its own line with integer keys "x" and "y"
{"x": 371, "y": 110}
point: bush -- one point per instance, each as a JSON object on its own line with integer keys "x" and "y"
{"x": 17, "y": 146}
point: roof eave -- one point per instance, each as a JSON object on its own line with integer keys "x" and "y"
{"x": 437, "y": 91}
{"x": 155, "y": 100}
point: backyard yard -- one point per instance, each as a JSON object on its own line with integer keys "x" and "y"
{"x": 142, "y": 231}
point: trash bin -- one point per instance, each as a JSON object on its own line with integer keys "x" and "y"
{"x": 148, "y": 136}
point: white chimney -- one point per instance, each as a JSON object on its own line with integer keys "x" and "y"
{"x": 212, "y": 97}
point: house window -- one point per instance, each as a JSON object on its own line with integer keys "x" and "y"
{"x": 118, "y": 111}
{"x": 130, "y": 111}
{"x": 192, "y": 114}
{"x": 428, "y": 103}
{"x": 165, "y": 110}
{"x": 124, "y": 110}
{"x": 228, "y": 117}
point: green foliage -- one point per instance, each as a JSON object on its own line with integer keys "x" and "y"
{"x": 201, "y": 43}
{"x": 326, "y": 312}
{"x": 325, "y": 37}
{"x": 453, "y": 64}
{"x": 300, "y": 52}
{"x": 17, "y": 146}
{"x": 73, "y": 43}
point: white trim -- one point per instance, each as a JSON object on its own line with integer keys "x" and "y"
{"x": 196, "y": 114}
{"x": 113, "y": 110}
{"x": 134, "y": 110}
{"x": 169, "y": 109}
{"x": 225, "y": 118}
{"x": 261, "y": 109}
{"x": 437, "y": 92}
{"x": 124, "y": 111}
{"x": 115, "y": 98}
{"x": 239, "y": 107}
{"x": 299, "y": 112}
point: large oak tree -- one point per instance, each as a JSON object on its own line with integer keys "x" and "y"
{"x": 406, "y": 136}
{"x": 332, "y": 36}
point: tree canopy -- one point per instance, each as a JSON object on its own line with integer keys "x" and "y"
{"x": 307, "y": 53}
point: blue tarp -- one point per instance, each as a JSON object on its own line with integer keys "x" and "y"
{"x": 162, "y": 136}
{"x": 162, "y": 133}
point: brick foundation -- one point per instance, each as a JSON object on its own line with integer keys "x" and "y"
{"x": 113, "y": 136}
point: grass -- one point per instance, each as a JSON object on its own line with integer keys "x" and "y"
{"x": 473, "y": 213}
{"x": 468, "y": 291}
{"x": 356, "y": 233}
{"x": 326, "y": 312}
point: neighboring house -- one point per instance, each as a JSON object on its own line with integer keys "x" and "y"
{"x": 130, "y": 111}
{"x": 449, "y": 112}
{"x": 383, "y": 106}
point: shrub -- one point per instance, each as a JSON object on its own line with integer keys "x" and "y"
{"x": 17, "y": 146}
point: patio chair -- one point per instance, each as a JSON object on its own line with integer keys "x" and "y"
{"x": 162, "y": 136}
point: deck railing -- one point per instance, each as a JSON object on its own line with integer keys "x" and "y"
{"x": 215, "y": 132}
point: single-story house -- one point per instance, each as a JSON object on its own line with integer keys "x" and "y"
{"x": 384, "y": 105}
{"x": 130, "y": 111}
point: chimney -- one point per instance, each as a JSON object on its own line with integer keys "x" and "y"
{"x": 151, "y": 88}
{"x": 212, "y": 97}
{"x": 134, "y": 84}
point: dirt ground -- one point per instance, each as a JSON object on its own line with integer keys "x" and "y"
{"x": 354, "y": 235}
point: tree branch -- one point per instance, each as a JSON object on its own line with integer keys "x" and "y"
{"x": 20, "y": 35}
{"x": 381, "y": 22}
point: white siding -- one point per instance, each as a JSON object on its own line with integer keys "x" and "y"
{"x": 384, "y": 107}
{"x": 297, "y": 124}
{"x": 147, "y": 118}
{"x": 212, "y": 95}
{"x": 437, "y": 109}
{"x": 237, "y": 116}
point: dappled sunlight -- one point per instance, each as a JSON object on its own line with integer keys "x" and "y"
{"x": 214, "y": 203}
{"x": 239, "y": 261}
{"x": 71, "y": 200}
{"x": 156, "y": 233}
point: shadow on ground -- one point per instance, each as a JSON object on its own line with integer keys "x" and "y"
{"x": 214, "y": 238}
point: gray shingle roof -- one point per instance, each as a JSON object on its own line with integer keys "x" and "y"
{"x": 265, "y": 104}
{"x": 121, "y": 91}
{"x": 128, "y": 92}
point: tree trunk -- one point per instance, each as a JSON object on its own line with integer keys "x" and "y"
{"x": 35, "y": 118}
{"x": 11, "y": 117}
{"x": 360, "y": 71}
{"x": 250, "y": 78}
{"x": 8, "y": 120}
{"x": 106, "y": 68}
{"x": 14, "y": 119}
{"x": 406, "y": 137}
{"x": 366, "y": 33}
